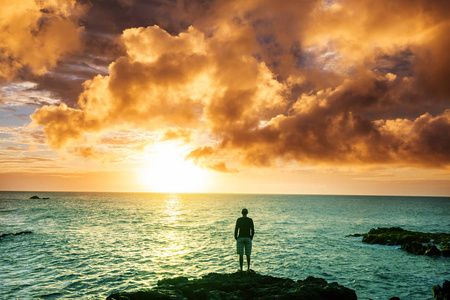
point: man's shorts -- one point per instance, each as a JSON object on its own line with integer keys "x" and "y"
{"x": 244, "y": 243}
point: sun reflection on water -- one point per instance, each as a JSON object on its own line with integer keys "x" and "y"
{"x": 172, "y": 235}
{"x": 173, "y": 209}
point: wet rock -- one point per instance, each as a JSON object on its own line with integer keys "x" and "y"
{"x": 445, "y": 251}
{"x": 433, "y": 251}
{"x": 354, "y": 235}
{"x": 14, "y": 233}
{"x": 442, "y": 293}
{"x": 420, "y": 243}
{"x": 35, "y": 197}
{"x": 414, "y": 248}
{"x": 241, "y": 285}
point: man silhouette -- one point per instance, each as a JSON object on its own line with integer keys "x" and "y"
{"x": 243, "y": 233}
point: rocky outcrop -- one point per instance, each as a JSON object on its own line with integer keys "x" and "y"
{"x": 37, "y": 197}
{"x": 240, "y": 285}
{"x": 14, "y": 233}
{"x": 442, "y": 293}
{"x": 420, "y": 243}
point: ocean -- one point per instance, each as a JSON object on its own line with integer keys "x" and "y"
{"x": 89, "y": 245}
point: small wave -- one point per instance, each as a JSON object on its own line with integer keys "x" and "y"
{"x": 51, "y": 296}
{"x": 7, "y": 210}
{"x": 88, "y": 249}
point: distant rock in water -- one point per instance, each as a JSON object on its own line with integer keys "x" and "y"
{"x": 37, "y": 197}
{"x": 14, "y": 233}
{"x": 420, "y": 243}
{"x": 240, "y": 285}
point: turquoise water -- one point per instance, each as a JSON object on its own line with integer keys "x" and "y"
{"x": 89, "y": 245}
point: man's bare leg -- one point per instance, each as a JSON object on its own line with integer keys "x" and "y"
{"x": 241, "y": 261}
{"x": 248, "y": 262}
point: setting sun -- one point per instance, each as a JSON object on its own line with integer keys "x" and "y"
{"x": 167, "y": 171}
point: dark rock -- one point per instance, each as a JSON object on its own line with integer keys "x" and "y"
{"x": 37, "y": 197}
{"x": 173, "y": 281}
{"x": 14, "y": 233}
{"x": 432, "y": 251}
{"x": 241, "y": 285}
{"x": 354, "y": 235}
{"x": 445, "y": 251}
{"x": 419, "y": 243}
{"x": 148, "y": 294}
{"x": 442, "y": 293}
{"x": 414, "y": 248}
{"x": 380, "y": 230}
{"x": 394, "y": 298}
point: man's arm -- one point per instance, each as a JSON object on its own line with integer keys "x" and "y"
{"x": 252, "y": 230}
{"x": 236, "y": 229}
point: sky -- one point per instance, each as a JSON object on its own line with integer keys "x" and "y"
{"x": 226, "y": 96}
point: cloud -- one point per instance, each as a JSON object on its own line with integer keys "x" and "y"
{"x": 177, "y": 133}
{"x": 165, "y": 80}
{"x": 22, "y": 135}
{"x": 34, "y": 35}
{"x": 102, "y": 24}
{"x": 202, "y": 156}
{"x": 103, "y": 155}
{"x": 24, "y": 93}
{"x": 15, "y": 149}
{"x": 344, "y": 82}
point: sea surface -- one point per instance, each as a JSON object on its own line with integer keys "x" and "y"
{"x": 89, "y": 245}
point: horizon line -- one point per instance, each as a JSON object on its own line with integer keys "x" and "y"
{"x": 222, "y": 193}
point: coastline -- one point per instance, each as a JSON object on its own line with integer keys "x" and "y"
{"x": 240, "y": 285}
{"x": 251, "y": 285}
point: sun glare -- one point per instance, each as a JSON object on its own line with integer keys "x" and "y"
{"x": 167, "y": 171}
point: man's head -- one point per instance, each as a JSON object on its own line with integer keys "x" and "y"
{"x": 244, "y": 212}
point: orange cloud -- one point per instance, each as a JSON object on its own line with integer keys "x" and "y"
{"x": 207, "y": 158}
{"x": 34, "y": 35}
{"x": 177, "y": 133}
{"x": 152, "y": 87}
{"x": 345, "y": 82}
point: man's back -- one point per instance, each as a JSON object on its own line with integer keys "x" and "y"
{"x": 244, "y": 228}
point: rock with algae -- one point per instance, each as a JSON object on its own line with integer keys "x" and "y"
{"x": 420, "y": 243}
{"x": 240, "y": 285}
{"x": 442, "y": 293}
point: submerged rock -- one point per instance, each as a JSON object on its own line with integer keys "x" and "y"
{"x": 241, "y": 285}
{"x": 420, "y": 243}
